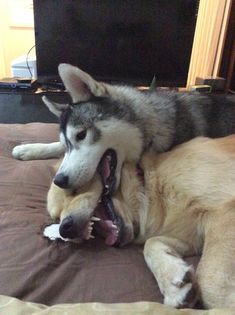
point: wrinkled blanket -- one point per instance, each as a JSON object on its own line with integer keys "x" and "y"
{"x": 35, "y": 269}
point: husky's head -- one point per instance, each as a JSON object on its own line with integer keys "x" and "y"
{"x": 97, "y": 131}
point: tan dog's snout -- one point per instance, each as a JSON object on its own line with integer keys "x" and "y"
{"x": 73, "y": 227}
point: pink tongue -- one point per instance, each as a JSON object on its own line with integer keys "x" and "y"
{"x": 106, "y": 168}
{"x": 108, "y": 232}
{"x": 111, "y": 239}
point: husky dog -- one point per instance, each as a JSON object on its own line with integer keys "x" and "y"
{"x": 125, "y": 120}
{"x": 183, "y": 205}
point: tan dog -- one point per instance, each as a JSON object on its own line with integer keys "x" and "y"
{"x": 184, "y": 206}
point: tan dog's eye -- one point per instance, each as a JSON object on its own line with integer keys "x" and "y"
{"x": 81, "y": 135}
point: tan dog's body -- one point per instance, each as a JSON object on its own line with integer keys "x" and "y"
{"x": 186, "y": 206}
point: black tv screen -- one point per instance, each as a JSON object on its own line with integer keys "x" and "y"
{"x": 126, "y": 41}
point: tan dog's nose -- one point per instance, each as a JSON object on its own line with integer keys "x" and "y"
{"x": 67, "y": 228}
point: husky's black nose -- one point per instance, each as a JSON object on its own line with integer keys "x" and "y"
{"x": 61, "y": 180}
{"x": 67, "y": 228}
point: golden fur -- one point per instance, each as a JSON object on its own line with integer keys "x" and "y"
{"x": 185, "y": 207}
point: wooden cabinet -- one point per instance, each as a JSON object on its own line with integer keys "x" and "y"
{"x": 227, "y": 67}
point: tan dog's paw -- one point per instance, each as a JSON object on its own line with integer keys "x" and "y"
{"x": 57, "y": 200}
{"x": 175, "y": 278}
{"x": 54, "y": 213}
{"x": 181, "y": 290}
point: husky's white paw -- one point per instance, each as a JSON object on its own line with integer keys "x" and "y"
{"x": 22, "y": 152}
{"x": 179, "y": 286}
{"x": 36, "y": 151}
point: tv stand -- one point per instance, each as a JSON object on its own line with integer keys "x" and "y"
{"x": 20, "y": 107}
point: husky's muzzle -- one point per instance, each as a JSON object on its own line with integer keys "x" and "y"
{"x": 61, "y": 180}
{"x": 106, "y": 168}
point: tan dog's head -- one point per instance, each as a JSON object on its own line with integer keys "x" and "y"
{"x": 114, "y": 219}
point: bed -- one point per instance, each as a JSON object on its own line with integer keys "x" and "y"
{"x": 38, "y": 276}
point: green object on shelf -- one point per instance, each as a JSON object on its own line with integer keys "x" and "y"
{"x": 153, "y": 84}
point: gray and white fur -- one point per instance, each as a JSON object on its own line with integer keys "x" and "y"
{"x": 130, "y": 121}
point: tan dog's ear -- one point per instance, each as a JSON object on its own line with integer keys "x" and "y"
{"x": 80, "y": 85}
{"x": 54, "y": 107}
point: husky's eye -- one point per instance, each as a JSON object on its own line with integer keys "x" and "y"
{"x": 81, "y": 135}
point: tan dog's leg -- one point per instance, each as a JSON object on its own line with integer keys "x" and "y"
{"x": 83, "y": 203}
{"x": 56, "y": 198}
{"x": 62, "y": 202}
{"x": 75, "y": 209}
{"x": 174, "y": 276}
{"x": 216, "y": 270}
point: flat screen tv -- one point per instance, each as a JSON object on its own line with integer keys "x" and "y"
{"x": 126, "y": 41}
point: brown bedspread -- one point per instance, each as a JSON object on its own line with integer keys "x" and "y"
{"x": 34, "y": 269}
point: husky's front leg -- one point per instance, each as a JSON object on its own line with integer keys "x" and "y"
{"x": 37, "y": 151}
{"x": 174, "y": 276}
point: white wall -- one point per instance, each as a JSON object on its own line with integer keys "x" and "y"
{"x": 16, "y": 31}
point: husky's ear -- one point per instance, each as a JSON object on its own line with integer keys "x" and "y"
{"x": 54, "y": 107}
{"x": 80, "y": 85}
